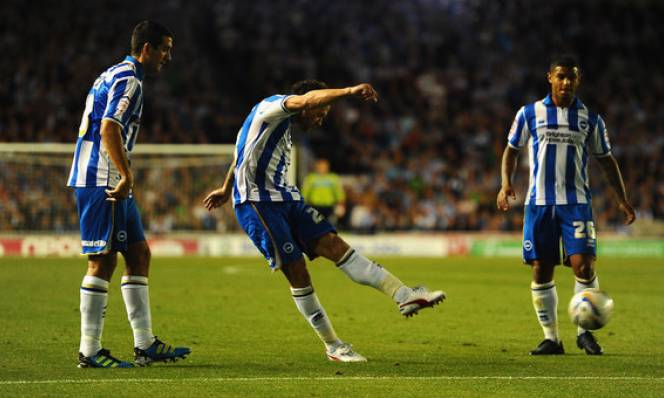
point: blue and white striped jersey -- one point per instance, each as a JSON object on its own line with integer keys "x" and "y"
{"x": 559, "y": 142}
{"x": 263, "y": 153}
{"x": 116, "y": 95}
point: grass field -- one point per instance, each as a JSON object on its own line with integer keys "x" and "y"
{"x": 249, "y": 340}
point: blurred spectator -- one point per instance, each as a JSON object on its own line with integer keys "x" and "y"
{"x": 450, "y": 73}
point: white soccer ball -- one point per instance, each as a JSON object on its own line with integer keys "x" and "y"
{"x": 591, "y": 309}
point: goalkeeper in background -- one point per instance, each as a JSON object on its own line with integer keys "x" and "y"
{"x": 324, "y": 192}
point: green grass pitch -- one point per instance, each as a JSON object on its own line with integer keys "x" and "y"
{"x": 249, "y": 340}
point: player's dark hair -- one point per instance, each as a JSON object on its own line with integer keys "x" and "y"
{"x": 304, "y": 86}
{"x": 148, "y": 32}
{"x": 566, "y": 61}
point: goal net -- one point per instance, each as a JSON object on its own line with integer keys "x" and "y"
{"x": 170, "y": 184}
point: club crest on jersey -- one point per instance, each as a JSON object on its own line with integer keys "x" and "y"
{"x": 583, "y": 125}
{"x": 528, "y": 245}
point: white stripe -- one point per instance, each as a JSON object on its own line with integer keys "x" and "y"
{"x": 182, "y": 380}
{"x": 102, "y": 167}
{"x": 561, "y": 171}
{"x": 83, "y": 160}
{"x": 578, "y": 177}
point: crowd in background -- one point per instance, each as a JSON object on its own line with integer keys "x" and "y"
{"x": 451, "y": 76}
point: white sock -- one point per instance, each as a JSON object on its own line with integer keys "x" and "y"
{"x": 365, "y": 272}
{"x": 307, "y": 303}
{"x": 137, "y": 301}
{"x": 581, "y": 285}
{"x": 94, "y": 297}
{"x": 545, "y": 302}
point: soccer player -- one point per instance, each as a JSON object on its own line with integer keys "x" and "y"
{"x": 109, "y": 218}
{"x": 322, "y": 190}
{"x": 283, "y": 227}
{"x": 561, "y": 131}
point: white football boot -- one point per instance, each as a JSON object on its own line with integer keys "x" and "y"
{"x": 344, "y": 353}
{"x": 420, "y": 298}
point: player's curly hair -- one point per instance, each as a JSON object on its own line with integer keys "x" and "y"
{"x": 148, "y": 32}
{"x": 565, "y": 60}
{"x": 304, "y": 86}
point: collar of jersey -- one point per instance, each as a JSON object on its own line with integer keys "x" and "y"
{"x": 137, "y": 65}
{"x": 548, "y": 101}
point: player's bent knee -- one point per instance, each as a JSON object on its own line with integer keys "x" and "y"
{"x": 297, "y": 274}
{"x": 102, "y": 265}
{"x": 331, "y": 246}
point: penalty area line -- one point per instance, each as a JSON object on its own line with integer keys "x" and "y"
{"x": 323, "y": 378}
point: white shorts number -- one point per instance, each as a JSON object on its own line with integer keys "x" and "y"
{"x": 584, "y": 229}
{"x": 315, "y": 215}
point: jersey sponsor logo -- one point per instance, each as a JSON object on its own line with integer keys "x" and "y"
{"x": 528, "y": 245}
{"x": 288, "y": 247}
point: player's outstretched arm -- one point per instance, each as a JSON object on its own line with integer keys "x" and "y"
{"x": 111, "y": 140}
{"x": 220, "y": 196}
{"x": 508, "y": 165}
{"x": 319, "y": 98}
{"x": 612, "y": 172}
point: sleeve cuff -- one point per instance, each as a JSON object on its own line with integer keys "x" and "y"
{"x": 602, "y": 155}
{"x": 509, "y": 144}
{"x": 112, "y": 119}
{"x": 283, "y": 105}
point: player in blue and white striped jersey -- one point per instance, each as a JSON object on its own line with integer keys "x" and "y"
{"x": 109, "y": 218}
{"x": 560, "y": 133}
{"x": 283, "y": 227}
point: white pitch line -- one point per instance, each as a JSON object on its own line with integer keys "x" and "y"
{"x": 337, "y": 378}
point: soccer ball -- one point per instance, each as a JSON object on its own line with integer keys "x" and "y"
{"x": 591, "y": 309}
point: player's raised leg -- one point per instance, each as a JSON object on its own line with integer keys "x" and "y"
{"x": 94, "y": 298}
{"x": 585, "y": 278}
{"x": 135, "y": 292}
{"x": 307, "y": 303}
{"x": 366, "y": 272}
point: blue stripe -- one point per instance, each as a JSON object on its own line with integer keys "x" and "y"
{"x": 273, "y": 98}
{"x": 550, "y": 176}
{"x": 552, "y": 117}
{"x": 91, "y": 289}
{"x": 519, "y": 129}
{"x": 570, "y": 173}
{"x": 243, "y": 136}
{"x": 132, "y": 106}
{"x": 573, "y": 118}
{"x": 277, "y": 179}
{"x": 592, "y": 122}
{"x": 601, "y": 129}
{"x": 584, "y": 162}
{"x": 113, "y": 104}
{"x": 266, "y": 156}
{"x": 122, "y": 74}
{"x": 529, "y": 114}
